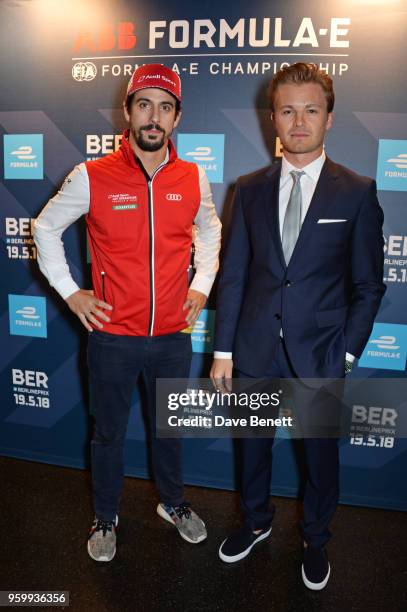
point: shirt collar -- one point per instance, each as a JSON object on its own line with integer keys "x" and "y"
{"x": 312, "y": 170}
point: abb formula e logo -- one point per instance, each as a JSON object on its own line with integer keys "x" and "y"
{"x": 111, "y": 36}
{"x": 174, "y": 197}
{"x": 219, "y": 33}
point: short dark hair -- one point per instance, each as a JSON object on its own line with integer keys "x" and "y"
{"x": 129, "y": 102}
{"x": 303, "y": 73}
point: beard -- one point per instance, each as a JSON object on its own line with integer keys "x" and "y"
{"x": 142, "y": 140}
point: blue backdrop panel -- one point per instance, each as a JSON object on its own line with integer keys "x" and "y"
{"x": 66, "y": 69}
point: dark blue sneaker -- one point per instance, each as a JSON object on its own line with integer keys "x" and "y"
{"x": 239, "y": 544}
{"x": 315, "y": 568}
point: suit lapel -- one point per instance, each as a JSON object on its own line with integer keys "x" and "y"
{"x": 271, "y": 204}
{"x": 323, "y": 197}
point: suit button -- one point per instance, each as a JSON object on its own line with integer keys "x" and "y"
{"x": 287, "y": 283}
{"x": 277, "y": 316}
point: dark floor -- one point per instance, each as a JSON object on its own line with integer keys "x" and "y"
{"x": 46, "y": 512}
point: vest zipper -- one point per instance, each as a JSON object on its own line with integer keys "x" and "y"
{"x": 151, "y": 233}
{"x": 152, "y": 260}
{"x": 151, "y": 256}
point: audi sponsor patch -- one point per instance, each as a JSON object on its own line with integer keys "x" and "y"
{"x": 174, "y": 197}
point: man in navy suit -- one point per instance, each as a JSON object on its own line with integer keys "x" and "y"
{"x": 299, "y": 289}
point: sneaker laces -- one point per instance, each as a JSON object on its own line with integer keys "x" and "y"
{"x": 103, "y": 526}
{"x": 183, "y": 509}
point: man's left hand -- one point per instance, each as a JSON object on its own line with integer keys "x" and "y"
{"x": 194, "y": 303}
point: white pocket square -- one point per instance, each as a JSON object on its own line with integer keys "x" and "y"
{"x": 332, "y": 220}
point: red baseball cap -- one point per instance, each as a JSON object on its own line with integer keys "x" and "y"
{"x": 155, "y": 75}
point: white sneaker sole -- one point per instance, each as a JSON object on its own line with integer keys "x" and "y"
{"x": 242, "y": 555}
{"x": 315, "y": 586}
{"x": 161, "y": 512}
{"x": 105, "y": 558}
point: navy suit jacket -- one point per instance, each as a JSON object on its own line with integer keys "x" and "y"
{"x": 325, "y": 300}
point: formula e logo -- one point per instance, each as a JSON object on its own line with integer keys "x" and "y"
{"x": 387, "y": 347}
{"x": 202, "y": 332}
{"x": 23, "y": 156}
{"x": 207, "y": 150}
{"x": 84, "y": 71}
{"x": 400, "y": 161}
{"x": 392, "y": 165}
{"x": 201, "y": 154}
{"x": 174, "y": 197}
{"x": 23, "y": 153}
{"x": 27, "y": 316}
{"x": 386, "y": 342}
{"x": 28, "y": 312}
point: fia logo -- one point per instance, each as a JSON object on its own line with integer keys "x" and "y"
{"x": 84, "y": 71}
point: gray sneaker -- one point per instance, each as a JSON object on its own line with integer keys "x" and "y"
{"x": 188, "y": 523}
{"x": 102, "y": 540}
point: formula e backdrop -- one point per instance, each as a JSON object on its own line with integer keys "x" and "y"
{"x": 66, "y": 64}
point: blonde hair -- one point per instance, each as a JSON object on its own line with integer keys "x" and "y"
{"x": 303, "y": 73}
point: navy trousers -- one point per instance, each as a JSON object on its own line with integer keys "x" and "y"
{"x": 115, "y": 365}
{"x": 322, "y": 467}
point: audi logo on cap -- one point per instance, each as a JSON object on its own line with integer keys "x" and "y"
{"x": 174, "y": 197}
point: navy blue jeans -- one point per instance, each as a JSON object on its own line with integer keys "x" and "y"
{"x": 115, "y": 365}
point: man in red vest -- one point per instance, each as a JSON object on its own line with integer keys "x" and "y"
{"x": 140, "y": 203}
